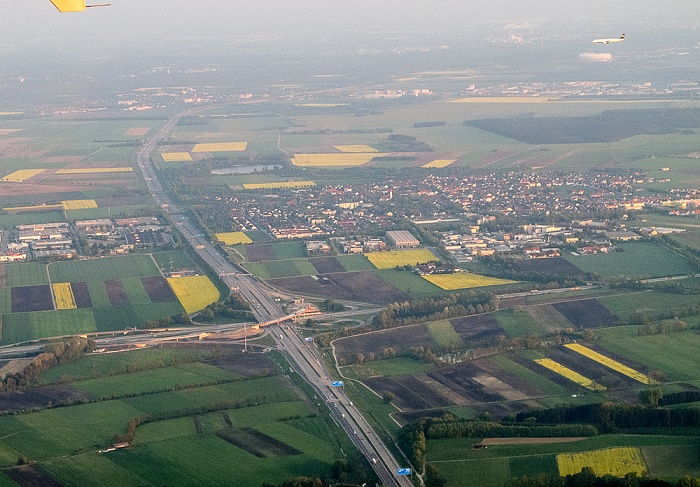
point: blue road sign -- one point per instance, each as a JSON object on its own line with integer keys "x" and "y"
{"x": 403, "y": 471}
{"x": 337, "y": 383}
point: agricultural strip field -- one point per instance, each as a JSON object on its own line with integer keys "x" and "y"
{"x": 391, "y": 259}
{"x": 158, "y": 290}
{"x": 79, "y": 204}
{"x": 637, "y": 259}
{"x": 610, "y": 363}
{"x": 19, "y": 327}
{"x": 194, "y": 293}
{"x": 463, "y": 280}
{"x": 118, "y": 267}
{"x": 518, "y": 323}
{"x": 617, "y": 462}
{"x": 444, "y": 334}
{"x": 27, "y": 274}
{"x": 272, "y": 251}
{"x": 280, "y": 268}
{"x": 233, "y": 238}
{"x": 326, "y": 265}
{"x": 31, "y": 298}
{"x": 400, "y": 339}
{"x": 63, "y": 295}
{"x": 569, "y": 374}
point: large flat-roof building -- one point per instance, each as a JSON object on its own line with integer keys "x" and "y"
{"x": 402, "y": 239}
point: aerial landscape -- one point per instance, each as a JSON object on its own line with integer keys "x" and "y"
{"x": 349, "y": 244}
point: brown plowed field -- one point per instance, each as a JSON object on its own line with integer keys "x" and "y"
{"x": 479, "y": 328}
{"x": 246, "y": 365}
{"x": 31, "y": 476}
{"x": 158, "y": 289}
{"x": 400, "y": 339}
{"x": 256, "y": 443}
{"x": 31, "y": 298}
{"x": 260, "y": 253}
{"x": 460, "y": 378}
{"x": 363, "y": 286}
{"x": 410, "y": 392}
{"x": 37, "y": 397}
{"x": 326, "y": 265}
{"x": 547, "y": 316}
{"x": 81, "y": 295}
{"x": 588, "y": 313}
{"x": 116, "y": 292}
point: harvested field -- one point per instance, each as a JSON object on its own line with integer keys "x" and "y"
{"x": 528, "y": 441}
{"x": 365, "y": 287}
{"x": 393, "y": 258}
{"x": 409, "y": 392}
{"x": 587, "y": 313}
{"x": 556, "y": 266}
{"x": 464, "y": 280}
{"x": 31, "y": 298}
{"x": 233, "y": 238}
{"x": 334, "y": 160}
{"x": 256, "y": 443}
{"x": 116, "y": 293}
{"x": 31, "y": 476}
{"x": 246, "y": 365}
{"x": 326, "y": 265}
{"x": 81, "y": 295}
{"x": 479, "y": 328}
{"x": 398, "y": 339}
{"x": 78, "y": 204}
{"x": 176, "y": 156}
{"x": 439, "y": 163}
{"x": 260, "y": 253}
{"x": 158, "y": 289}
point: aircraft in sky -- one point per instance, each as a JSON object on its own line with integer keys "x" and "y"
{"x": 74, "y": 5}
{"x": 608, "y": 41}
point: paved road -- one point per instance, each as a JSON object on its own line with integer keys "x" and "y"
{"x": 302, "y": 356}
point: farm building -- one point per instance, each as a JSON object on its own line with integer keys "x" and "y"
{"x": 402, "y": 239}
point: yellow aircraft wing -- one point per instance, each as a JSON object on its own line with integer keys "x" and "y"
{"x": 69, "y": 5}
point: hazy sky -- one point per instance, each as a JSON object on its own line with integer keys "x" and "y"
{"x": 37, "y": 22}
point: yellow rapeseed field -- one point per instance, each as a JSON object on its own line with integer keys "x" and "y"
{"x": 21, "y": 175}
{"x": 282, "y": 184}
{"x": 233, "y": 238}
{"x": 439, "y": 163}
{"x": 334, "y": 160}
{"x": 221, "y": 147}
{"x": 569, "y": 374}
{"x": 176, "y": 156}
{"x": 194, "y": 293}
{"x": 63, "y": 295}
{"x": 463, "y": 280}
{"x": 610, "y": 363}
{"x": 9, "y": 131}
{"x": 617, "y": 462}
{"x": 33, "y": 208}
{"x": 389, "y": 260}
{"x": 95, "y": 170}
{"x": 78, "y": 204}
{"x": 355, "y": 148}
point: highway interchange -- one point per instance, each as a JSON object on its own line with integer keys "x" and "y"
{"x": 302, "y": 355}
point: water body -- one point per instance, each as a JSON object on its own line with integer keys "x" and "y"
{"x": 244, "y": 169}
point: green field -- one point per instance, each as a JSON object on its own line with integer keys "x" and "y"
{"x": 26, "y": 274}
{"x": 518, "y": 323}
{"x": 444, "y": 334}
{"x": 175, "y": 260}
{"x": 281, "y": 268}
{"x": 100, "y": 269}
{"x": 356, "y": 262}
{"x": 623, "y": 306}
{"x": 408, "y": 282}
{"x": 674, "y": 354}
{"x": 386, "y": 368}
{"x": 19, "y": 327}
{"x": 637, "y": 259}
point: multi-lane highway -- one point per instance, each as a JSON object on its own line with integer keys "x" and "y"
{"x": 302, "y": 355}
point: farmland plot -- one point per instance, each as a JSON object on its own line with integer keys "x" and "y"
{"x": 402, "y": 338}
{"x": 587, "y": 313}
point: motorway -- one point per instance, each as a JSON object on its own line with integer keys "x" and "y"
{"x": 302, "y": 356}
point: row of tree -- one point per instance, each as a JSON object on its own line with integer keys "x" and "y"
{"x": 588, "y": 478}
